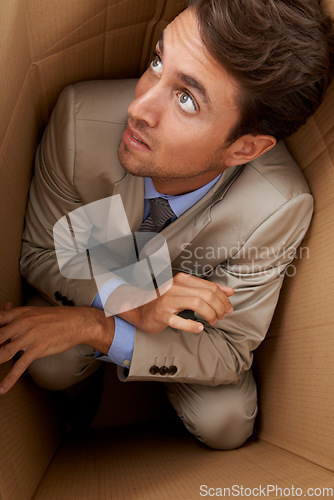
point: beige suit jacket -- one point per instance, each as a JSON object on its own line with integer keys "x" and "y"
{"x": 242, "y": 233}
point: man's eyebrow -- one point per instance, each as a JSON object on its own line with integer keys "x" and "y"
{"x": 187, "y": 79}
{"x": 192, "y": 82}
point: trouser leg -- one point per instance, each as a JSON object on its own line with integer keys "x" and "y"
{"x": 64, "y": 370}
{"x": 221, "y": 416}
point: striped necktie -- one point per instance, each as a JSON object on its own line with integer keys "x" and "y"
{"x": 159, "y": 217}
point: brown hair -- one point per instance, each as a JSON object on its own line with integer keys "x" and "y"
{"x": 280, "y": 52}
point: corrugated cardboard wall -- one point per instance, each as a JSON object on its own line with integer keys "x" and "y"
{"x": 295, "y": 363}
{"x": 30, "y": 432}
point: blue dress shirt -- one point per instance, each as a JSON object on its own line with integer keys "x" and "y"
{"x": 121, "y": 349}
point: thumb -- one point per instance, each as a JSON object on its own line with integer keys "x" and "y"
{"x": 227, "y": 289}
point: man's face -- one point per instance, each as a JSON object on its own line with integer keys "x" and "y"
{"x": 184, "y": 108}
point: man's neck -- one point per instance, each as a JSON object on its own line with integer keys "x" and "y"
{"x": 176, "y": 187}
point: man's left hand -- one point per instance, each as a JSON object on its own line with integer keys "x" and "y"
{"x": 36, "y": 332}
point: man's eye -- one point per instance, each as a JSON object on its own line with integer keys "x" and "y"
{"x": 186, "y": 102}
{"x": 156, "y": 65}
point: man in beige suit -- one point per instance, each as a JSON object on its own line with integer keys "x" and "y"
{"x": 203, "y": 130}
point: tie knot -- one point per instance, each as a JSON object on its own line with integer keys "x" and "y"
{"x": 161, "y": 212}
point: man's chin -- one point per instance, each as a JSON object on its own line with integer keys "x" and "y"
{"x": 128, "y": 163}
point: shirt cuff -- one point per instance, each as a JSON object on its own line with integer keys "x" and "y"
{"x": 121, "y": 349}
{"x": 106, "y": 290}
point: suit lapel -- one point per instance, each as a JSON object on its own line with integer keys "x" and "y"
{"x": 131, "y": 189}
{"x": 184, "y": 229}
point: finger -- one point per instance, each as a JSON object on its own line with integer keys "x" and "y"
{"x": 8, "y": 314}
{"x": 196, "y": 304}
{"x": 15, "y": 373}
{"x": 7, "y": 351}
{"x": 10, "y": 331}
{"x": 4, "y": 334}
{"x": 212, "y": 295}
{"x": 189, "y": 284}
{"x": 4, "y": 318}
{"x": 187, "y": 325}
{"x": 226, "y": 289}
{"x": 219, "y": 301}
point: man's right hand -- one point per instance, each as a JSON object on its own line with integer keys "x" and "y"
{"x": 208, "y": 299}
{"x": 37, "y": 332}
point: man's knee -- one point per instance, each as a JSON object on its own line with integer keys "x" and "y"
{"x": 64, "y": 370}
{"x": 221, "y": 416}
{"x": 224, "y": 427}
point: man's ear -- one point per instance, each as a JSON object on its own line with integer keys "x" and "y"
{"x": 247, "y": 148}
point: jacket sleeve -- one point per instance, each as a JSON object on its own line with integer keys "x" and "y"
{"x": 52, "y": 195}
{"x": 219, "y": 354}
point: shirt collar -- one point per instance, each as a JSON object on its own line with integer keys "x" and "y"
{"x": 181, "y": 202}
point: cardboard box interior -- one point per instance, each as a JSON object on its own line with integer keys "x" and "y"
{"x": 45, "y": 46}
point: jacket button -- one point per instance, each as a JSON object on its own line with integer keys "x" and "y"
{"x": 163, "y": 370}
{"x": 154, "y": 370}
{"x": 172, "y": 370}
{"x": 58, "y": 295}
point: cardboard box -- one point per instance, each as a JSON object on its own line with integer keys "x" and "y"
{"x": 44, "y": 46}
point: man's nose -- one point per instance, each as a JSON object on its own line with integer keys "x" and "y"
{"x": 147, "y": 106}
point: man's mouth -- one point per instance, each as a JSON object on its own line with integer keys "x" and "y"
{"x": 134, "y": 141}
{"x": 137, "y": 137}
